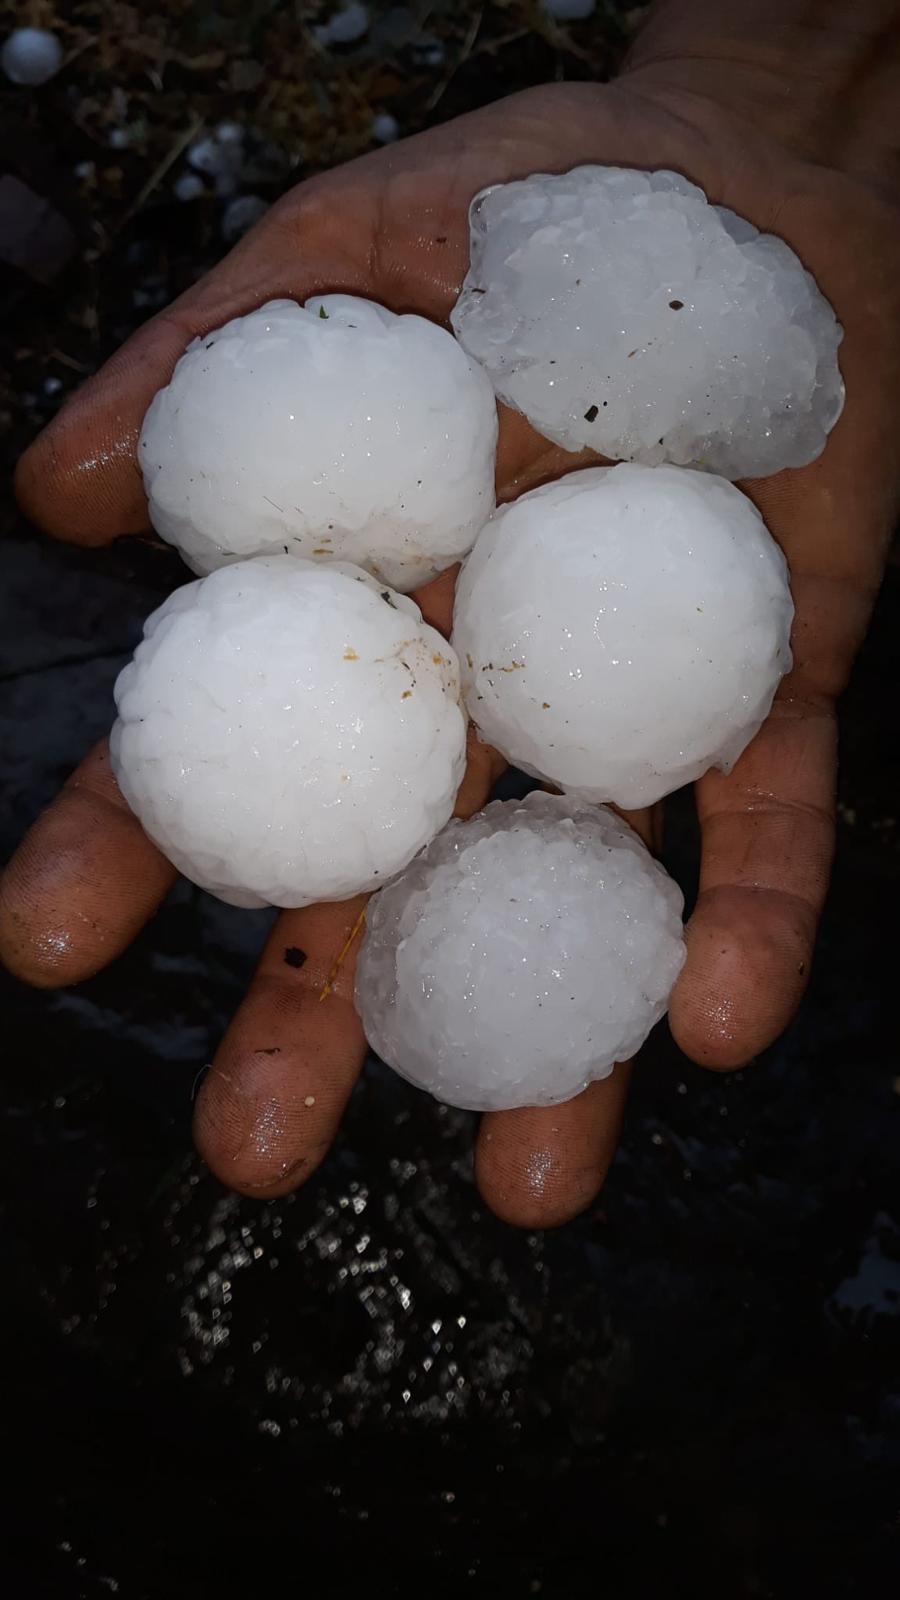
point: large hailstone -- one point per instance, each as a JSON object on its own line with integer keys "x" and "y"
{"x": 520, "y": 956}
{"x": 289, "y": 732}
{"x": 334, "y": 430}
{"x": 624, "y": 629}
{"x": 620, "y": 310}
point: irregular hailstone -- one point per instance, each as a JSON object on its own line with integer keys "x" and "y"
{"x": 289, "y": 732}
{"x": 334, "y": 430}
{"x": 623, "y": 629}
{"x": 520, "y": 956}
{"x": 620, "y": 310}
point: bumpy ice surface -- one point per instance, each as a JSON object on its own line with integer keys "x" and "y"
{"x": 289, "y": 732}
{"x": 520, "y": 956}
{"x": 623, "y": 629}
{"x": 334, "y": 430}
{"x": 619, "y": 310}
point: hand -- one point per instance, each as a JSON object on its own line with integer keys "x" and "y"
{"x": 393, "y": 226}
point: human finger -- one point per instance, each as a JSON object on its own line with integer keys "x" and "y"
{"x": 767, "y": 845}
{"x": 270, "y": 1106}
{"x": 539, "y": 1166}
{"x": 81, "y": 884}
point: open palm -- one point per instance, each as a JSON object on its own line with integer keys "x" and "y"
{"x": 393, "y": 226}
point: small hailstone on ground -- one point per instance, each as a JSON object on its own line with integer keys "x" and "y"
{"x": 31, "y": 56}
{"x": 189, "y": 186}
{"x": 570, "y": 10}
{"x": 241, "y": 215}
{"x": 623, "y": 629}
{"x": 229, "y": 133}
{"x": 334, "y": 429}
{"x": 428, "y": 51}
{"x": 520, "y": 956}
{"x": 220, "y": 158}
{"x": 385, "y": 128}
{"x": 289, "y": 733}
{"x": 619, "y": 310}
{"x": 345, "y": 26}
{"x": 206, "y": 156}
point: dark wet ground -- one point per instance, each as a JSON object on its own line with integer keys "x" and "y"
{"x": 373, "y": 1386}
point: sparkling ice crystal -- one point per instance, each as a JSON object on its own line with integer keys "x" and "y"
{"x": 619, "y": 310}
{"x": 335, "y": 429}
{"x": 520, "y": 956}
{"x": 289, "y": 732}
{"x": 623, "y": 629}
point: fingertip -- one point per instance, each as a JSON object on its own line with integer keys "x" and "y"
{"x": 54, "y": 930}
{"x": 43, "y": 957}
{"x": 81, "y": 885}
{"x": 747, "y": 968}
{"x": 79, "y": 480}
{"x": 536, "y": 1198}
{"x": 539, "y": 1167}
{"x": 270, "y": 1106}
{"x": 250, "y": 1135}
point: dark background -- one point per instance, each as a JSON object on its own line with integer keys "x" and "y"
{"x": 373, "y": 1384}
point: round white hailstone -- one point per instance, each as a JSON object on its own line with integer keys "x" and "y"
{"x": 334, "y": 429}
{"x": 289, "y": 732}
{"x": 208, "y": 156}
{"x": 31, "y": 56}
{"x": 520, "y": 956}
{"x": 624, "y": 629}
{"x": 385, "y": 128}
{"x": 242, "y": 214}
{"x": 620, "y": 310}
{"x": 230, "y": 133}
{"x": 189, "y": 186}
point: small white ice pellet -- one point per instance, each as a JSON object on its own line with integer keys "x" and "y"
{"x": 520, "y": 956}
{"x": 220, "y": 156}
{"x": 31, "y": 56}
{"x": 345, "y": 26}
{"x": 331, "y": 430}
{"x": 189, "y": 186}
{"x": 289, "y": 732}
{"x": 385, "y": 128}
{"x": 570, "y": 10}
{"x": 208, "y": 156}
{"x": 623, "y": 629}
{"x": 242, "y": 214}
{"x": 620, "y": 311}
{"x": 230, "y": 133}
